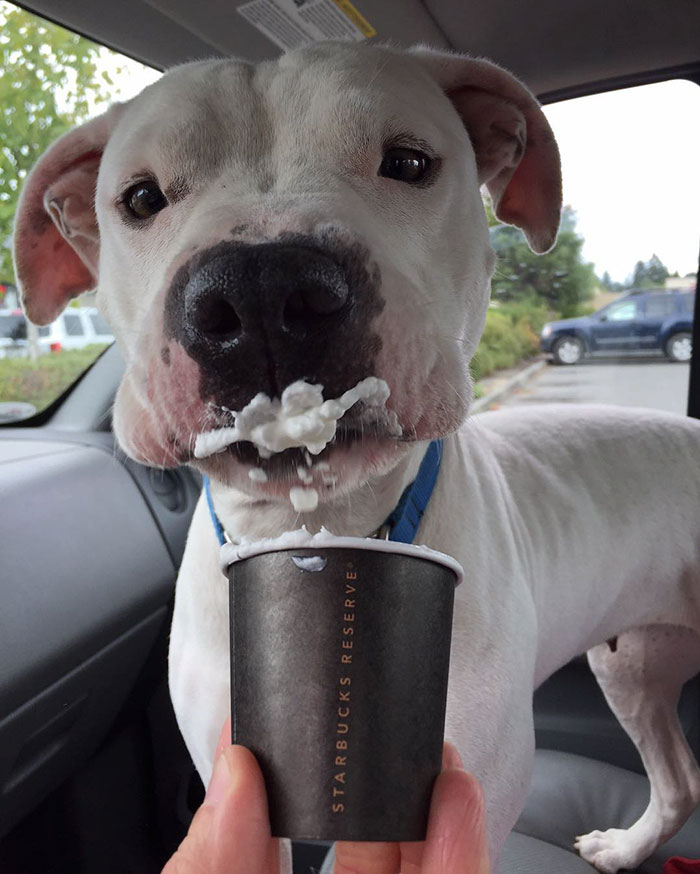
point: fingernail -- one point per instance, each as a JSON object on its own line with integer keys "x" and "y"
{"x": 451, "y": 758}
{"x": 220, "y": 783}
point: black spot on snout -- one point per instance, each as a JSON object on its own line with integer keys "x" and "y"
{"x": 165, "y": 355}
{"x": 258, "y": 317}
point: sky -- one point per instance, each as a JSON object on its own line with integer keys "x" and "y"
{"x": 629, "y": 166}
{"x": 630, "y": 170}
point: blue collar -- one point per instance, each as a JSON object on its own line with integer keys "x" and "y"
{"x": 404, "y": 521}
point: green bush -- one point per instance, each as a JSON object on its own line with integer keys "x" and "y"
{"x": 582, "y": 309}
{"x": 511, "y": 333}
{"x": 41, "y": 382}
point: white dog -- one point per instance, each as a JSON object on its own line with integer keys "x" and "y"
{"x": 319, "y": 217}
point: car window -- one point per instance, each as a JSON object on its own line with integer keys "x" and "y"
{"x": 64, "y": 80}
{"x": 13, "y": 327}
{"x": 606, "y": 316}
{"x": 622, "y": 312}
{"x": 659, "y": 306}
{"x": 616, "y": 235}
{"x": 74, "y": 326}
{"x": 98, "y": 324}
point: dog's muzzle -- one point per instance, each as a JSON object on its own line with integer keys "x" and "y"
{"x": 259, "y": 317}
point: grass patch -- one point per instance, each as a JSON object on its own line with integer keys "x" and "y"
{"x": 41, "y": 382}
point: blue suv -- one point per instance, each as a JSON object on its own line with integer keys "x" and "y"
{"x": 652, "y": 319}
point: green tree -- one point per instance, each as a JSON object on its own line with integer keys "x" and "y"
{"x": 649, "y": 274}
{"x": 49, "y": 81}
{"x": 562, "y": 279}
{"x": 608, "y": 283}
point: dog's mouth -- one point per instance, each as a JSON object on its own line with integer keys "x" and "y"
{"x": 301, "y": 440}
{"x": 286, "y": 464}
{"x": 350, "y": 435}
{"x": 300, "y": 419}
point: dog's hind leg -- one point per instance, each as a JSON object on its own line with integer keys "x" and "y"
{"x": 641, "y": 673}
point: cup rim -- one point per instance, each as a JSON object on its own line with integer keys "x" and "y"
{"x": 231, "y": 553}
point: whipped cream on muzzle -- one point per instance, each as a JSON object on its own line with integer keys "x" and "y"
{"x": 300, "y": 419}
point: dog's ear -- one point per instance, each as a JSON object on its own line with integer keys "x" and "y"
{"x": 56, "y": 238}
{"x": 516, "y": 153}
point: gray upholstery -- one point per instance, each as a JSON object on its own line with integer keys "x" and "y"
{"x": 523, "y": 855}
{"x": 571, "y": 795}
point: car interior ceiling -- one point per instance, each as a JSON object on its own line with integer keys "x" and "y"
{"x": 90, "y": 755}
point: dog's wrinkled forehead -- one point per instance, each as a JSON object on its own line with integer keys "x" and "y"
{"x": 290, "y": 118}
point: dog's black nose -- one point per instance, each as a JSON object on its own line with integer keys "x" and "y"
{"x": 256, "y": 318}
{"x": 251, "y": 292}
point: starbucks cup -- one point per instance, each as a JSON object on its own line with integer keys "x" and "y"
{"x": 340, "y": 652}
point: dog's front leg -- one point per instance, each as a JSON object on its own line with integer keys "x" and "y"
{"x": 641, "y": 674}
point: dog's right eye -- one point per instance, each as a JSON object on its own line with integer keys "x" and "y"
{"x": 144, "y": 200}
{"x": 404, "y": 165}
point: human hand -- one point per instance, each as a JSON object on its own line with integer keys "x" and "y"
{"x": 230, "y": 833}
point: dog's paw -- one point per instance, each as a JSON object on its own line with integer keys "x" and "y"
{"x": 611, "y": 850}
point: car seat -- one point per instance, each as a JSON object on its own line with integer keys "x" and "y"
{"x": 587, "y": 776}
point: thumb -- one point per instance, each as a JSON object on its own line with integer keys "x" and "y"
{"x": 230, "y": 833}
{"x": 456, "y": 840}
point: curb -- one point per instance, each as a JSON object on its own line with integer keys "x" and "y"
{"x": 519, "y": 379}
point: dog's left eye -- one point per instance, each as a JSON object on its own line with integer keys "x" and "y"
{"x": 144, "y": 200}
{"x": 405, "y": 165}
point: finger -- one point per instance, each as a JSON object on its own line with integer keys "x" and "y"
{"x": 456, "y": 840}
{"x": 230, "y": 833}
{"x": 359, "y": 857}
{"x": 240, "y": 831}
{"x": 451, "y": 758}
{"x": 191, "y": 856}
{"x": 224, "y": 739}
{"x": 412, "y": 852}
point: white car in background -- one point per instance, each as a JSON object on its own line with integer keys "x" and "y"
{"x": 76, "y": 328}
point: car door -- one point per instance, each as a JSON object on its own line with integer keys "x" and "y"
{"x": 614, "y": 329}
{"x": 655, "y": 310}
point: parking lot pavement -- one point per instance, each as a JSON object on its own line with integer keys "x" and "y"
{"x": 635, "y": 382}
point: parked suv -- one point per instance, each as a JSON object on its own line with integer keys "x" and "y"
{"x": 649, "y": 320}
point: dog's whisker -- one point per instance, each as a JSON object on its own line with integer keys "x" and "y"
{"x": 459, "y": 395}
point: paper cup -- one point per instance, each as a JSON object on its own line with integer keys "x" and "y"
{"x": 339, "y": 665}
